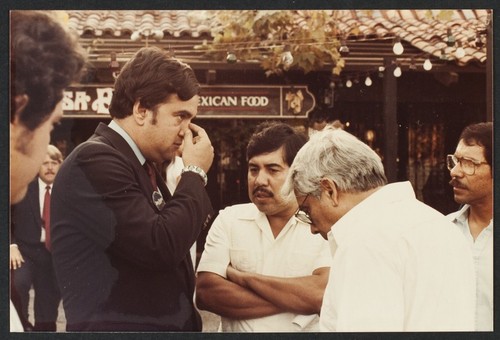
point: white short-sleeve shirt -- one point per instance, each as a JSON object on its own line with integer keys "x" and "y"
{"x": 398, "y": 265}
{"x": 482, "y": 252}
{"x": 241, "y": 235}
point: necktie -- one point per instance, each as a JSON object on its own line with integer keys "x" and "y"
{"x": 46, "y": 216}
{"x": 151, "y": 173}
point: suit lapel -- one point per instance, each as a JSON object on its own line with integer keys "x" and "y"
{"x": 117, "y": 141}
{"x": 34, "y": 199}
{"x": 34, "y": 204}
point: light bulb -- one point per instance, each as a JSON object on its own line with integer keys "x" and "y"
{"x": 368, "y": 81}
{"x": 397, "y": 72}
{"x": 287, "y": 58}
{"x": 460, "y": 52}
{"x": 398, "y": 48}
{"x": 231, "y": 58}
{"x": 348, "y": 83}
{"x": 344, "y": 49}
{"x": 450, "y": 39}
{"x": 427, "y": 64}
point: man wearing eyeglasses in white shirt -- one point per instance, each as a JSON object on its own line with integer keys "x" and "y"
{"x": 472, "y": 181}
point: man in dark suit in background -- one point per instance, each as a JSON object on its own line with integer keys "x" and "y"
{"x": 30, "y": 256}
{"x": 120, "y": 241}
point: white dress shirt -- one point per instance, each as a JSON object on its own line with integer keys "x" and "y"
{"x": 41, "y": 197}
{"x": 15, "y": 322}
{"x": 398, "y": 265}
{"x": 241, "y": 235}
{"x": 482, "y": 252}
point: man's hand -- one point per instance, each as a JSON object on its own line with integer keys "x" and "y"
{"x": 197, "y": 150}
{"x": 236, "y": 276}
{"x": 16, "y": 259}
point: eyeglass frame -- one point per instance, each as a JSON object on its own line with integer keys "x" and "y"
{"x": 301, "y": 215}
{"x": 452, "y": 159}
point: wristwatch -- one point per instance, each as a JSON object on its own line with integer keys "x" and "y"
{"x": 197, "y": 170}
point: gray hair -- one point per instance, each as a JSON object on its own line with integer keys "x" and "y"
{"x": 339, "y": 156}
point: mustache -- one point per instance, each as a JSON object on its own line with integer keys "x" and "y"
{"x": 457, "y": 184}
{"x": 50, "y": 173}
{"x": 263, "y": 191}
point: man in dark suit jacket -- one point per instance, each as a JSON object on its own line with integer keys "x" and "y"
{"x": 120, "y": 242}
{"x": 30, "y": 258}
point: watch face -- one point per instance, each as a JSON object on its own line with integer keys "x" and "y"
{"x": 158, "y": 200}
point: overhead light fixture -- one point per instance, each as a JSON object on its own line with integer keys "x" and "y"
{"x": 231, "y": 57}
{"x": 460, "y": 52}
{"x": 343, "y": 49}
{"x": 397, "y": 48}
{"x": 381, "y": 70}
{"x": 348, "y": 83}
{"x": 427, "y": 64}
{"x": 397, "y": 71}
{"x": 450, "y": 39}
{"x": 368, "y": 80}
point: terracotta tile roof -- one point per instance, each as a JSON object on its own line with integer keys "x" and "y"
{"x": 421, "y": 31}
{"x": 175, "y": 23}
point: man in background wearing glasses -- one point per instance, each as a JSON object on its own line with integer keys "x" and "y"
{"x": 472, "y": 181}
{"x": 262, "y": 270}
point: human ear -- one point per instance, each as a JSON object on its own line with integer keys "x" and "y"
{"x": 20, "y": 102}
{"x": 139, "y": 113}
{"x": 329, "y": 188}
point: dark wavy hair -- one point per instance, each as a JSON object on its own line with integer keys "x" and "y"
{"x": 480, "y": 134}
{"x": 151, "y": 76}
{"x": 270, "y": 136}
{"x": 45, "y": 59}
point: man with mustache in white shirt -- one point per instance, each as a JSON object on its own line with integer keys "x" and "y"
{"x": 262, "y": 270}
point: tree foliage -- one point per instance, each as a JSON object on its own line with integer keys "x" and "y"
{"x": 263, "y": 36}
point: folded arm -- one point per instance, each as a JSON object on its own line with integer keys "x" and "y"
{"x": 225, "y": 298}
{"x": 301, "y": 295}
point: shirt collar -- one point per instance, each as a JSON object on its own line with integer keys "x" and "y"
{"x": 388, "y": 193}
{"x": 461, "y": 215}
{"x": 119, "y": 130}
{"x": 42, "y": 184}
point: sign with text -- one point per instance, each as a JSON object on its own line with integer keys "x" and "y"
{"x": 227, "y": 101}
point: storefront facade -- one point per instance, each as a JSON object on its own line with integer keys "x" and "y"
{"x": 412, "y": 120}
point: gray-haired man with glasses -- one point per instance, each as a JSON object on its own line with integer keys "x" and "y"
{"x": 397, "y": 264}
{"x": 472, "y": 180}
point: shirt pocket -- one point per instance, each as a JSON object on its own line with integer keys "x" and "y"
{"x": 300, "y": 263}
{"x": 244, "y": 260}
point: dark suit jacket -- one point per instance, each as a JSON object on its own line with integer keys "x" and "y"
{"x": 26, "y": 221}
{"x": 121, "y": 263}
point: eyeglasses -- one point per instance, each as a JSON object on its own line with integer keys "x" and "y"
{"x": 301, "y": 215}
{"x": 468, "y": 165}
